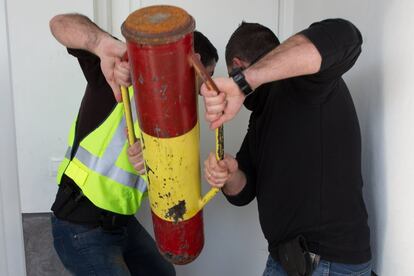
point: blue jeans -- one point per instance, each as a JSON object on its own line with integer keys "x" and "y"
{"x": 129, "y": 250}
{"x": 324, "y": 268}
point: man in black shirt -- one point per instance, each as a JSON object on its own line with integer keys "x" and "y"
{"x": 88, "y": 239}
{"x": 301, "y": 156}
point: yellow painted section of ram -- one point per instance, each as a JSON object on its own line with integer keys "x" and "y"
{"x": 173, "y": 170}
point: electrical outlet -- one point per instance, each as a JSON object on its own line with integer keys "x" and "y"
{"x": 54, "y": 166}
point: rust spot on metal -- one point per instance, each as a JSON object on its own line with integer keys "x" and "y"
{"x": 184, "y": 246}
{"x": 157, "y": 25}
{"x": 157, "y": 130}
{"x": 154, "y": 205}
{"x": 159, "y": 17}
{"x": 178, "y": 259}
{"x": 141, "y": 79}
{"x": 176, "y": 212}
{"x": 159, "y": 133}
{"x": 149, "y": 168}
{"x": 220, "y": 143}
{"x": 163, "y": 91}
{"x": 143, "y": 142}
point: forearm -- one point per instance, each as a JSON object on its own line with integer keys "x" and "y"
{"x": 235, "y": 184}
{"x": 77, "y": 31}
{"x": 296, "y": 56}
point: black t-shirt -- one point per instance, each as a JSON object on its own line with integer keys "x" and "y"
{"x": 302, "y": 154}
{"x": 97, "y": 104}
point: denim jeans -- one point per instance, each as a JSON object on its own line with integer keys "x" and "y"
{"x": 87, "y": 250}
{"x": 324, "y": 268}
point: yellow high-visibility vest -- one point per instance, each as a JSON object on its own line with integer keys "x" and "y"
{"x": 101, "y": 169}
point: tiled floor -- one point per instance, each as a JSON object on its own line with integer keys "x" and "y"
{"x": 41, "y": 258}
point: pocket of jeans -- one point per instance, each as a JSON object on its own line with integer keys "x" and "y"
{"x": 100, "y": 237}
{"x": 78, "y": 233}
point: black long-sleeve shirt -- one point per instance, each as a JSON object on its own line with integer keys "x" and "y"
{"x": 302, "y": 154}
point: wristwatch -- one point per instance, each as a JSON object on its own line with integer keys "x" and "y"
{"x": 237, "y": 75}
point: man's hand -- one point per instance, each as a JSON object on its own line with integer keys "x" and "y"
{"x": 217, "y": 173}
{"x": 222, "y": 107}
{"x": 136, "y": 157}
{"x": 122, "y": 73}
{"x": 79, "y": 32}
{"x": 115, "y": 71}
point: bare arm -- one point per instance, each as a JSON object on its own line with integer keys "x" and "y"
{"x": 79, "y": 32}
{"x": 296, "y": 56}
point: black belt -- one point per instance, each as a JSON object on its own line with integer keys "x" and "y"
{"x": 70, "y": 205}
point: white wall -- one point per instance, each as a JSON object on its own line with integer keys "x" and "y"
{"x": 11, "y": 235}
{"x": 47, "y": 88}
{"x": 381, "y": 85}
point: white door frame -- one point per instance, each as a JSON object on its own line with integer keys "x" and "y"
{"x": 12, "y": 257}
{"x": 285, "y": 19}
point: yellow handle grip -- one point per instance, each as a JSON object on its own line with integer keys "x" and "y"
{"x": 128, "y": 115}
{"x": 202, "y": 72}
{"x": 220, "y": 156}
{"x": 208, "y": 196}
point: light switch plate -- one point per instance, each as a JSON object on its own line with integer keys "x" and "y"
{"x": 54, "y": 163}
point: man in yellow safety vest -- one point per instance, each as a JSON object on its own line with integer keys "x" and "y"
{"x": 101, "y": 180}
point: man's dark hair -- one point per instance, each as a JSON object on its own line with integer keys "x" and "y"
{"x": 249, "y": 42}
{"x": 205, "y": 49}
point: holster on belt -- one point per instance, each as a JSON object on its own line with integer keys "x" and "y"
{"x": 294, "y": 257}
{"x": 69, "y": 199}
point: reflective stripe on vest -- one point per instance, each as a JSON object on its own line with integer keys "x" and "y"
{"x": 106, "y": 168}
{"x": 105, "y": 165}
{"x": 100, "y": 167}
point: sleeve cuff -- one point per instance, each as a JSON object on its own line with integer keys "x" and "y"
{"x": 245, "y": 196}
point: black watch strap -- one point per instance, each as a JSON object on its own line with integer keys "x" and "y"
{"x": 239, "y": 78}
